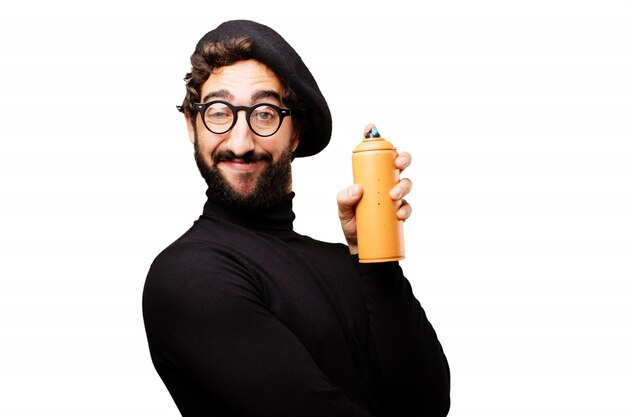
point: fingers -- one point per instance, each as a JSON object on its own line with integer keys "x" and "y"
{"x": 405, "y": 210}
{"x": 398, "y": 193}
{"x": 401, "y": 189}
{"x": 403, "y": 161}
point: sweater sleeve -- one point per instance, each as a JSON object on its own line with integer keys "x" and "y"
{"x": 413, "y": 368}
{"x": 221, "y": 352}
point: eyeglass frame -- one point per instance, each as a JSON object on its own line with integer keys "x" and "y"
{"x": 202, "y": 107}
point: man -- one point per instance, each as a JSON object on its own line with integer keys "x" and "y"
{"x": 243, "y": 315}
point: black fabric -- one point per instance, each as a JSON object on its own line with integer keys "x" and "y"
{"x": 274, "y": 51}
{"x": 244, "y": 316}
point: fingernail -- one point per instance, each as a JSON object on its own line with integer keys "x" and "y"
{"x": 352, "y": 191}
{"x": 401, "y": 213}
{"x": 395, "y": 193}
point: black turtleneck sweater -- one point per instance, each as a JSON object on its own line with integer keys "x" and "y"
{"x": 246, "y": 317}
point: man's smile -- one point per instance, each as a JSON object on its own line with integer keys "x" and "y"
{"x": 240, "y": 165}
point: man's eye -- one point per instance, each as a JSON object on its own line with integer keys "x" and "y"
{"x": 265, "y": 115}
{"x": 218, "y": 115}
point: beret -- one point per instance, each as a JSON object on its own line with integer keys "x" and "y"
{"x": 274, "y": 51}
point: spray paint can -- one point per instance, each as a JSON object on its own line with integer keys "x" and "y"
{"x": 380, "y": 234}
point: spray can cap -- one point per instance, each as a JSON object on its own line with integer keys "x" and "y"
{"x": 373, "y": 141}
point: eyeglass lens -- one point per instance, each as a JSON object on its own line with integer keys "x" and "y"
{"x": 263, "y": 120}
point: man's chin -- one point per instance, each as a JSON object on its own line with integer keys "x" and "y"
{"x": 247, "y": 192}
{"x": 242, "y": 189}
{"x": 241, "y": 184}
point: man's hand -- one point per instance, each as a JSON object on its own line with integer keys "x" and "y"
{"x": 348, "y": 198}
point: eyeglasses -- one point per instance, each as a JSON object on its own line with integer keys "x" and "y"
{"x": 264, "y": 119}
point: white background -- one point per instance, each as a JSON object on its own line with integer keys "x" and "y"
{"x": 514, "y": 112}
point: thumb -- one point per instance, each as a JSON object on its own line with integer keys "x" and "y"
{"x": 347, "y": 199}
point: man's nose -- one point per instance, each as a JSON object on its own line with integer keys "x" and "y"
{"x": 241, "y": 138}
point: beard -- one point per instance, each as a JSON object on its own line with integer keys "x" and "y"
{"x": 272, "y": 185}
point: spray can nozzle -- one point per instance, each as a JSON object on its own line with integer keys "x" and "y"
{"x": 373, "y": 133}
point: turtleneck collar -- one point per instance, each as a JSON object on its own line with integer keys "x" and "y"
{"x": 277, "y": 217}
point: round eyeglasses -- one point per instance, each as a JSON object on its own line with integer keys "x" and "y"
{"x": 264, "y": 119}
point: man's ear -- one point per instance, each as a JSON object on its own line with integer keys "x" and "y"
{"x": 190, "y": 127}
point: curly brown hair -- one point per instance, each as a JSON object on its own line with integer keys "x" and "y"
{"x": 226, "y": 52}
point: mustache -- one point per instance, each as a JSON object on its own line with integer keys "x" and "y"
{"x": 249, "y": 157}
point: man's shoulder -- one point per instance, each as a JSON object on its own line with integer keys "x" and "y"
{"x": 188, "y": 266}
{"x": 187, "y": 251}
{"x": 202, "y": 237}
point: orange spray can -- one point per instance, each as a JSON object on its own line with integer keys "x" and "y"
{"x": 380, "y": 234}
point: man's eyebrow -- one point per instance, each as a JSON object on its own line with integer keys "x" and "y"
{"x": 266, "y": 94}
{"x": 217, "y": 94}
{"x": 226, "y": 95}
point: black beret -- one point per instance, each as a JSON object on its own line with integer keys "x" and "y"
{"x": 274, "y": 51}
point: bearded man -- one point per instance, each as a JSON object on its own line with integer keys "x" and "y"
{"x": 243, "y": 315}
